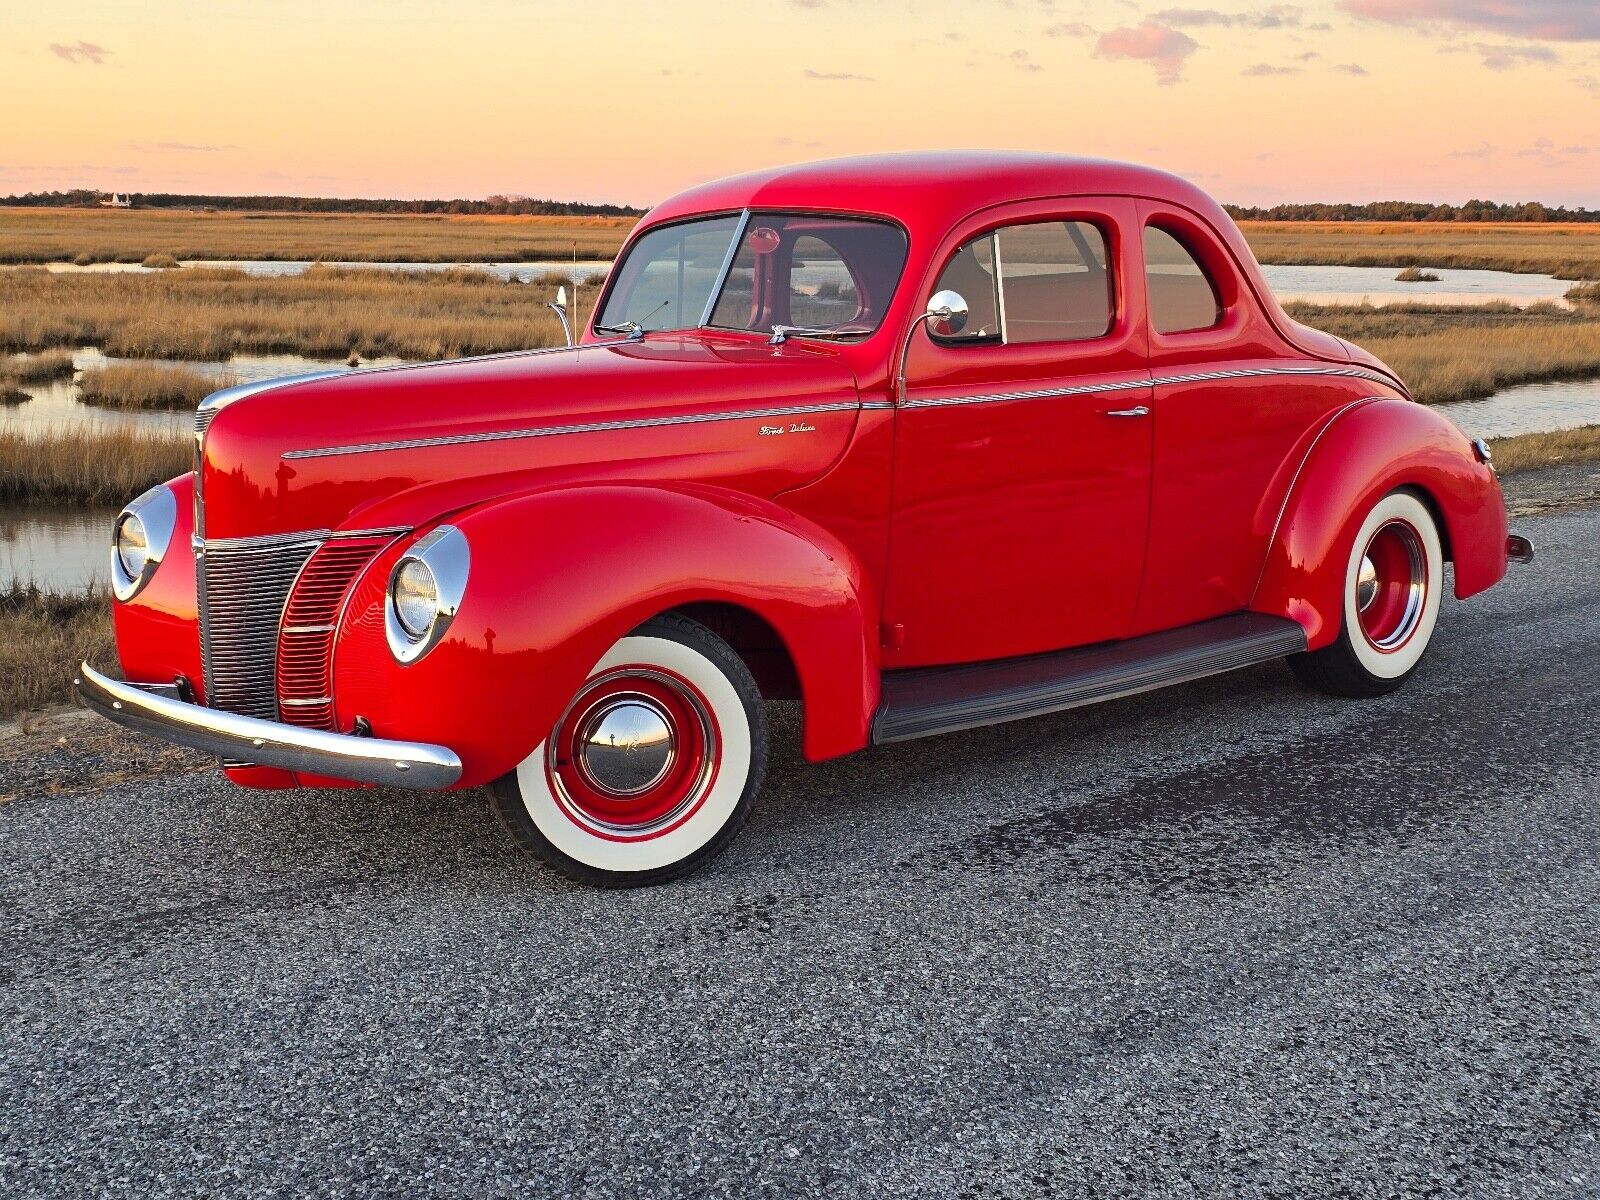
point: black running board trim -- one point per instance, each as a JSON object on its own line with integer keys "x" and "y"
{"x": 924, "y": 701}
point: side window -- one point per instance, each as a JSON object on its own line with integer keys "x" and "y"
{"x": 1182, "y": 296}
{"x": 1052, "y": 284}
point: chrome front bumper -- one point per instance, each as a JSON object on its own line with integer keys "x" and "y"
{"x": 155, "y": 711}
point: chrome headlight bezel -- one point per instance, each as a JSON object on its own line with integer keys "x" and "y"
{"x": 445, "y": 556}
{"x": 156, "y": 512}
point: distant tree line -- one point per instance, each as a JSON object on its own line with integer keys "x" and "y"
{"x": 1401, "y": 210}
{"x": 493, "y": 205}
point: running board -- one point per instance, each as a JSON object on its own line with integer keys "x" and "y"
{"x": 927, "y": 700}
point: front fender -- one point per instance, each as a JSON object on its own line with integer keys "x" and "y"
{"x": 1366, "y": 452}
{"x": 558, "y": 575}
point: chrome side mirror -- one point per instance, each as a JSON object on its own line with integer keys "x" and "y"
{"x": 950, "y": 310}
{"x": 560, "y": 310}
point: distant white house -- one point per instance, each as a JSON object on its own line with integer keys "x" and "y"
{"x": 116, "y": 201}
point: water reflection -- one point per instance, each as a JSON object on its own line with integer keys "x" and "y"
{"x": 54, "y": 407}
{"x": 58, "y": 548}
{"x": 1294, "y": 283}
{"x": 1531, "y": 408}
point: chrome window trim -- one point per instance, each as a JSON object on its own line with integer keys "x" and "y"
{"x": 503, "y": 435}
{"x": 157, "y": 511}
{"x": 739, "y": 231}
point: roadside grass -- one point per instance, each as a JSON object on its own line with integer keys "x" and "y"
{"x": 328, "y": 312}
{"x": 1563, "y": 250}
{"x": 43, "y": 636}
{"x": 1530, "y": 450}
{"x": 145, "y": 385}
{"x": 36, "y": 368}
{"x": 85, "y": 236}
{"x": 1448, "y": 354}
{"x": 88, "y": 466}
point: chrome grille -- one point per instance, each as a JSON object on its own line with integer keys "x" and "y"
{"x": 305, "y": 651}
{"x": 245, "y": 585}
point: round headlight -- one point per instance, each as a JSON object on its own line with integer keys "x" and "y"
{"x": 415, "y": 596}
{"x": 133, "y": 545}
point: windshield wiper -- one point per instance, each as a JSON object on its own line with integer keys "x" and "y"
{"x": 782, "y": 333}
{"x": 633, "y": 329}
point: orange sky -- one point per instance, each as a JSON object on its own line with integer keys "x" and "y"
{"x": 628, "y": 101}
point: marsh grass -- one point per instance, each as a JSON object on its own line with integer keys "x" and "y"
{"x": 1446, "y": 353}
{"x": 1563, "y": 250}
{"x": 159, "y": 261}
{"x": 1416, "y": 275}
{"x": 1546, "y": 449}
{"x": 144, "y": 385}
{"x": 43, "y": 635}
{"x": 88, "y": 466}
{"x": 32, "y": 235}
{"x": 328, "y": 312}
{"x": 1584, "y": 293}
{"x": 37, "y": 368}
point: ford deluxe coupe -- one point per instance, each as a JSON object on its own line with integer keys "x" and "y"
{"x": 926, "y": 442}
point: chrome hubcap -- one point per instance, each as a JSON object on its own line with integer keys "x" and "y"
{"x": 1366, "y": 584}
{"x": 627, "y": 746}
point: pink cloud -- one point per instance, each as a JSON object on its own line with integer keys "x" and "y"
{"x": 1162, "y": 47}
{"x": 1554, "y": 20}
{"x": 80, "y": 52}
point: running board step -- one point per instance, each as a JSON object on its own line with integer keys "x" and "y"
{"x": 927, "y": 700}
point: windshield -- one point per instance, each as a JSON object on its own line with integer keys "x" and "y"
{"x": 822, "y": 273}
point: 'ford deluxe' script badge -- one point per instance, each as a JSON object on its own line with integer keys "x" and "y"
{"x": 794, "y": 427}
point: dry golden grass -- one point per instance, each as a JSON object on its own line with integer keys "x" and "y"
{"x": 37, "y": 368}
{"x": 1468, "y": 353}
{"x": 328, "y": 312}
{"x": 1546, "y": 449}
{"x": 42, "y": 637}
{"x": 1568, "y": 251}
{"x": 90, "y": 466}
{"x": 159, "y": 261}
{"x": 87, "y": 236}
{"x": 1584, "y": 293}
{"x": 144, "y": 385}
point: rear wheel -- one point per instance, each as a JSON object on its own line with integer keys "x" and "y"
{"x": 652, "y": 768}
{"x": 1393, "y": 583}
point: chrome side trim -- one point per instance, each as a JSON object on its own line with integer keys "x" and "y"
{"x": 1137, "y": 384}
{"x": 268, "y": 541}
{"x": 268, "y": 743}
{"x": 504, "y": 435}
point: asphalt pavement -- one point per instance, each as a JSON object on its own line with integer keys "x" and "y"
{"x": 1229, "y": 939}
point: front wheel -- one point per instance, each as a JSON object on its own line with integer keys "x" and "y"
{"x": 1393, "y": 582}
{"x": 652, "y": 768}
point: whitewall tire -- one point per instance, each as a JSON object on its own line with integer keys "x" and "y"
{"x": 1392, "y": 587}
{"x": 653, "y": 766}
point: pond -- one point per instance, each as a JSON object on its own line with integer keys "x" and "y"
{"x": 59, "y": 548}
{"x": 1531, "y": 408}
{"x": 522, "y": 272}
{"x": 54, "y": 407}
{"x": 1378, "y": 286}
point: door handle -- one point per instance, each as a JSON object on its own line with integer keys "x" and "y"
{"x": 1137, "y": 411}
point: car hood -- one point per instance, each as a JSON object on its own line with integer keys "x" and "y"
{"x": 400, "y": 446}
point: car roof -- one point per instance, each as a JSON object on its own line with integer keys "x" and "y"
{"x": 928, "y": 191}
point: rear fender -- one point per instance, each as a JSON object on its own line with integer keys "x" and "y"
{"x": 1366, "y": 452}
{"x": 557, "y": 576}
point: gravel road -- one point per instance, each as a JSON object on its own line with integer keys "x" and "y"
{"x": 1232, "y": 938}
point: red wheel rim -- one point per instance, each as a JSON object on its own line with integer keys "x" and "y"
{"x": 634, "y": 756}
{"x": 1391, "y": 586}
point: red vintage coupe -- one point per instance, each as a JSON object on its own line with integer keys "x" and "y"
{"x": 926, "y": 441}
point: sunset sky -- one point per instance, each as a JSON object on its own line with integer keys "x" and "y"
{"x": 627, "y": 101}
